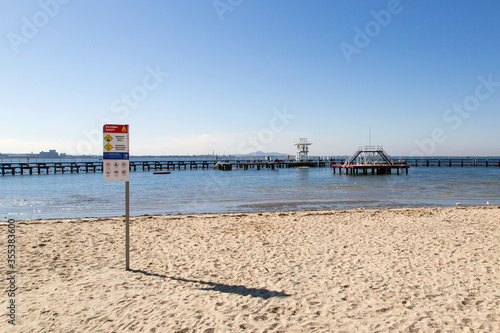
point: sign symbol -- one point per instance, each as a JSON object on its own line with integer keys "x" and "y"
{"x": 124, "y": 129}
{"x": 108, "y": 147}
{"x": 108, "y": 138}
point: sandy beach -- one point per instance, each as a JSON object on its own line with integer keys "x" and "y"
{"x": 401, "y": 270}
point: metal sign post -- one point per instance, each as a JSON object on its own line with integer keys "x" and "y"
{"x": 127, "y": 232}
{"x": 115, "y": 168}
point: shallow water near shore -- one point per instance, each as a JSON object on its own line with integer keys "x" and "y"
{"x": 213, "y": 191}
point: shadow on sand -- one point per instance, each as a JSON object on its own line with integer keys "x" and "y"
{"x": 223, "y": 288}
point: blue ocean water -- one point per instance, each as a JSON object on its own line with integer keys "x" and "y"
{"x": 75, "y": 195}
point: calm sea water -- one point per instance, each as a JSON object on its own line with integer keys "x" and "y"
{"x": 31, "y": 197}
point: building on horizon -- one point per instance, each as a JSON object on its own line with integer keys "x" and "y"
{"x": 52, "y": 153}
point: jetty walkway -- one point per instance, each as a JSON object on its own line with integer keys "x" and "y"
{"x": 96, "y": 166}
{"x": 373, "y": 168}
{"x": 269, "y": 165}
{"x": 62, "y": 166}
{"x": 77, "y": 167}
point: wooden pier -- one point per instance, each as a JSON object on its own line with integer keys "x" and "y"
{"x": 52, "y": 167}
{"x": 454, "y": 162}
{"x": 77, "y": 167}
{"x": 64, "y": 167}
{"x": 225, "y": 166}
{"x": 169, "y": 165}
{"x": 370, "y": 169}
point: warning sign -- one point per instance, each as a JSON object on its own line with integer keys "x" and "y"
{"x": 115, "y": 153}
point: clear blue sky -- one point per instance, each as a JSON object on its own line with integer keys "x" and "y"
{"x": 236, "y": 76}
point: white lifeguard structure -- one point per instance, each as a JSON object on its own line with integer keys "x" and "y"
{"x": 302, "y": 154}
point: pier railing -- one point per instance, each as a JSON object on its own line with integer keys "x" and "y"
{"x": 368, "y": 155}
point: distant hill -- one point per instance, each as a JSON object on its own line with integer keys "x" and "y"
{"x": 261, "y": 153}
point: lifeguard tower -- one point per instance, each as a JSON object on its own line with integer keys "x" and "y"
{"x": 302, "y": 150}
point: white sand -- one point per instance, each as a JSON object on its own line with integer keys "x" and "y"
{"x": 408, "y": 270}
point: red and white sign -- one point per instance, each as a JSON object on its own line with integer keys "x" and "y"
{"x": 115, "y": 129}
{"x": 115, "y": 167}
